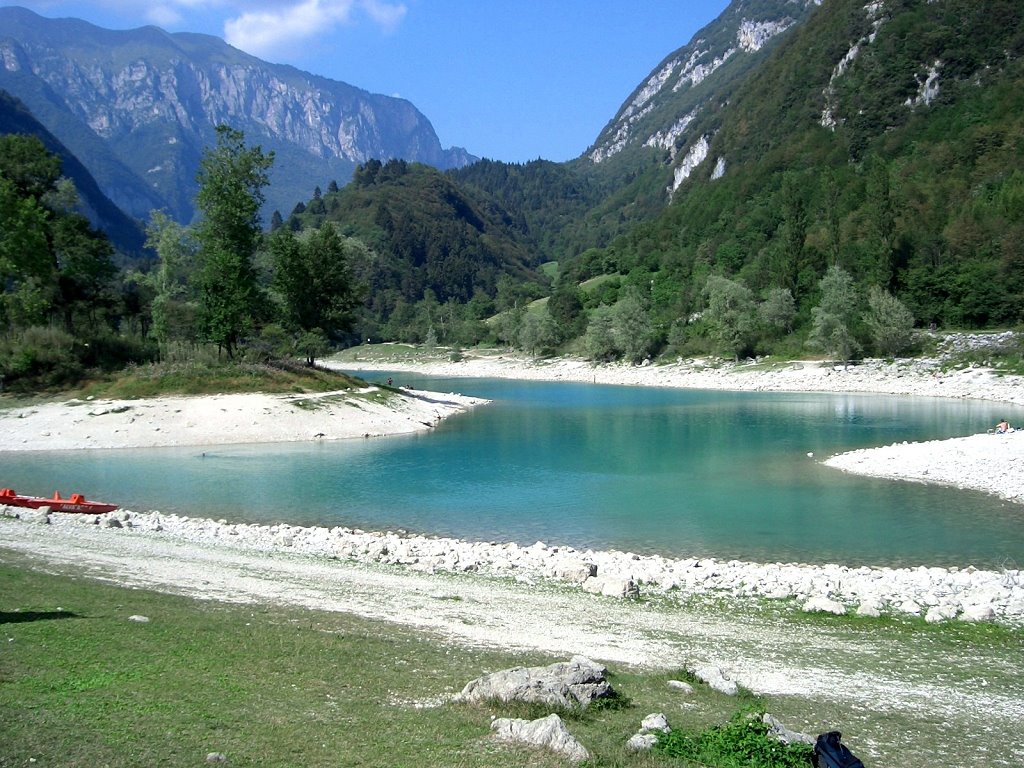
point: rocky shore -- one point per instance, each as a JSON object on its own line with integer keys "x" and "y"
{"x": 937, "y": 594}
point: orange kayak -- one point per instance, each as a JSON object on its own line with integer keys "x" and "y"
{"x": 77, "y": 502}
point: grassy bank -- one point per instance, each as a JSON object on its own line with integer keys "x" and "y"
{"x": 83, "y": 685}
{"x": 197, "y": 378}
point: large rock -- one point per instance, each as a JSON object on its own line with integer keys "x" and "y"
{"x": 823, "y": 605}
{"x": 546, "y": 733}
{"x": 715, "y": 678}
{"x": 612, "y": 586}
{"x": 566, "y": 684}
{"x": 777, "y": 730}
{"x": 572, "y": 569}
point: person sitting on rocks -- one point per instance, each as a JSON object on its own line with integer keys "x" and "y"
{"x": 1003, "y": 427}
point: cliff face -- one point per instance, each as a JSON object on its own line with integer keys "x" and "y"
{"x": 674, "y": 110}
{"x": 141, "y": 104}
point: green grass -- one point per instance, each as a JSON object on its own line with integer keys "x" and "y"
{"x": 202, "y": 379}
{"x": 81, "y": 685}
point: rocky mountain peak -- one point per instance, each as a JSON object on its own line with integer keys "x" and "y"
{"x": 153, "y": 100}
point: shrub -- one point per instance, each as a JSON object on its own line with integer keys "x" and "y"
{"x": 743, "y": 741}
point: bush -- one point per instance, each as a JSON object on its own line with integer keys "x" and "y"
{"x": 743, "y": 741}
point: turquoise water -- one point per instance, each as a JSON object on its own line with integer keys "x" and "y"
{"x": 648, "y": 470}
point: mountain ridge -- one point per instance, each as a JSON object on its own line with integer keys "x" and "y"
{"x": 154, "y": 99}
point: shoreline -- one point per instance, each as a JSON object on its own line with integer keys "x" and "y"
{"x": 206, "y": 420}
{"x": 935, "y": 593}
{"x": 990, "y": 463}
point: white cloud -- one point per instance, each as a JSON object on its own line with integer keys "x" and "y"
{"x": 280, "y": 30}
{"x": 163, "y": 15}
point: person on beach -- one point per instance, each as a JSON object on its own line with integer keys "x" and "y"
{"x": 1003, "y": 427}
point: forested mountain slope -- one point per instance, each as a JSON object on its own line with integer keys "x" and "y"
{"x": 884, "y": 138}
{"x": 429, "y": 236}
{"x": 124, "y": 232}
{"x": 653, "y": 142}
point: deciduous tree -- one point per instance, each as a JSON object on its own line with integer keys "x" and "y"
{"x": 231, "y": 181}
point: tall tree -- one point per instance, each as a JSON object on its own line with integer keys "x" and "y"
{"x": 315, "y": 281}
{"x": 231, "y": 181}
{"x": 174, "y": 305}
{"x": 731, "y": 315}
{"x": 832, "y": 320}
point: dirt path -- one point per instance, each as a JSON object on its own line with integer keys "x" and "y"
{"x": 891, "y": 687}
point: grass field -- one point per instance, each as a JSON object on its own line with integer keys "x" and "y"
{"x": 83, "y": 685}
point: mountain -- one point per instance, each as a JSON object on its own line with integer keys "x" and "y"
{"x": 655, "y": 140}
{"x": 429, "y": 234}
{"x": 673, "y": 112}
{"x": 124, "y": 232}
{"x": 141, "y": 105}
{"x": 886, "y": 138}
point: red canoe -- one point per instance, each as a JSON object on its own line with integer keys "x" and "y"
{"x": 77, "y": 503}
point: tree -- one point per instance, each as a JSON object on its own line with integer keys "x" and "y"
{"x": 632, "y": 328}
{"x": 231, "y": 181}
{"x": 599, "y": 339}
{"x": 730, "y": 315}
{"x": 537, "y": 333}
{"x": 314, "y": 278}
{"x": 565, "y": 306}
{"x": 174, "y": 300}
{"x": 777, "y": 312}
{"x": 832, "y": 320}
{"x": 890, "y": 322}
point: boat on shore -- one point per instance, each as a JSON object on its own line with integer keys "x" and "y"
{"x": 76, "y": 504}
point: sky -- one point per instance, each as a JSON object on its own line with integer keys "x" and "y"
{"x": 511, "y": 80}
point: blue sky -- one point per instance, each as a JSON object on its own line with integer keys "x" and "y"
{"x": 511, "y": 80}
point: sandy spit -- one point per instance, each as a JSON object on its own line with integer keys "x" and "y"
{"x": 224, "y": 419}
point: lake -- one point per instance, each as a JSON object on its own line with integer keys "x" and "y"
{"x": 677, "y": 472}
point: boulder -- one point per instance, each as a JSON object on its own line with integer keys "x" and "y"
{"x": 568, "y": 684}
{"x": 940, "y": 613}
{"x": 641, "y": 742}
{"x": 777, "y": 730}
{"x": 978, "y": 613}
{"x": 546, "y": 733}
{"x": 682, "y": 687}
{"x": 655, "y": 721}
{"x": 612, "y": 586}
{"x": 870, "y": 608}
{"x": 572, "y": 569}
{"x": 824, "y": 605}
{"x": 39, "y": 516}
{"x": 715, "y": 678}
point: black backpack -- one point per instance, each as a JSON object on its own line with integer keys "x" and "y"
{"x": 829, "y": 752}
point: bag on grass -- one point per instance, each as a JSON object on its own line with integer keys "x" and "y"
{"x": 829, "y": 752}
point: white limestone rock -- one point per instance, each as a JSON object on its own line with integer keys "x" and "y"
{"x": 823, "y": 605}
{"x": 546, "y": 733}
{"x": 715, "y": 678}
{"x": 656, "y": 721}
{"x": 684, "y": 688}
{"x": 641, "y": 742}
